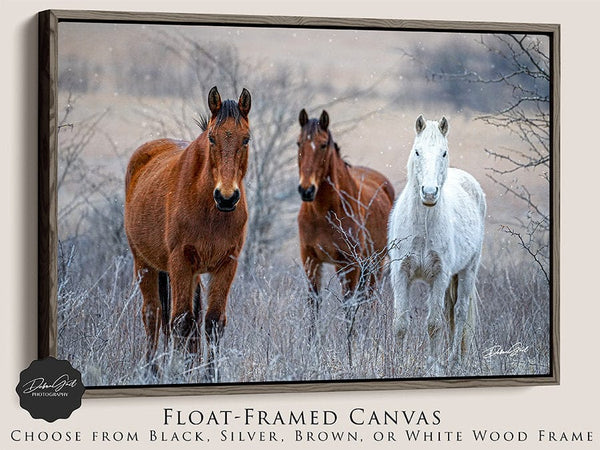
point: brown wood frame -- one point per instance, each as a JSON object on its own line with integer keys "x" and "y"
{"x": 47, "y": 193}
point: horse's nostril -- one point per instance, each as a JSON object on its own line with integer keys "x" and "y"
{"x": 232, "y": 198}
{"x": 307, "y": 194}
{"x": 226, "y": 203}
{"x": 429, "y": 191}
{"x": 217, "y": 195}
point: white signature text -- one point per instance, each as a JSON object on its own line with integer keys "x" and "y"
{"x": 497, "y": 350}
{"x": 38, "y": 384}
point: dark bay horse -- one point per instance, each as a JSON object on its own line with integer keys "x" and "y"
{"x": 344, "y": 213}
{"x": 185, "y": 214}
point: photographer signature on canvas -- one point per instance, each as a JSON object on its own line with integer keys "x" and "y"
{"x": 497, "y": 350}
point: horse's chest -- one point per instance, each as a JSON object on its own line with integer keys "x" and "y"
{"x": 422, "y": 259}
{"x": 209, "y": 238}
{"x": 331, "y": 238}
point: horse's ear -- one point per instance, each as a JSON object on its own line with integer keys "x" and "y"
{"x": 421, "y": 124}
{"x": 303, "y": 117}
{"x": 443, "y": 125}
{"x": 324, "y": 120}
{"x": 245, "y": 102}
{"x": 214, "y": 101}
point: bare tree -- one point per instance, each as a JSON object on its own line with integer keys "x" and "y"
{"x": 90, "y": 198}
{"x": 358, "y": 253}
{"x": 519, "y": 70}
{"x": 527, "y": 114}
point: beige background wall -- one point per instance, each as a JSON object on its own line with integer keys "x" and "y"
{"x": 572, "y": 406}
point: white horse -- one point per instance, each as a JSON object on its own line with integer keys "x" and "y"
{"x": 435, "y": 234}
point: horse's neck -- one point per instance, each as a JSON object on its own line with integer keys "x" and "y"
{"x": 195, "y": 164}
{"x": 337, "y": 188}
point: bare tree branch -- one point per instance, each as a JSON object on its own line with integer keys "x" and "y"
{"x": 525, "y": 78}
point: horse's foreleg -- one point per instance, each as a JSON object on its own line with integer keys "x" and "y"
{"x": 435, "y": 315}
{"x": 218, "y": 290}
{"x": 216, "y": 312}
{"x": 463, "y": 327}
{"x": 350, "y": 278}
{"x": 312, "y": 268}
{"x": 151, "y": 309}
{"x": 371, "y": 279}
{"x": 399, "y": 278}
{"x": 183, "y": 324}
{"x": 375, "y": 277}
{"x": 449, "y": 302}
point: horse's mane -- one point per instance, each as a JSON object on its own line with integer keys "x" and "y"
{"x": 229, "y": 108}
{"x": 312, "y": 127}
{"x": 202, "y": 121}
{"x": 337, "y": 149}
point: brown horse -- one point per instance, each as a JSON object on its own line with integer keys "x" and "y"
{"x": 185, "y": 214}
{"x": 344, "y": 214}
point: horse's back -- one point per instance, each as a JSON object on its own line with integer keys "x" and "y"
{"x": 150, "y": 152}
{"x": 148, "y": 180}
{"x": 468, "y": 208}
{"x": 374, "y": 179}
{"x": 377, "y": 194}
{"x": 460, "y": 180}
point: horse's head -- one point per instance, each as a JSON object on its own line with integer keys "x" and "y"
{"x": 228, "y": 133}
{"x": 315, "y": 145}
{"x": 428, "y": 161}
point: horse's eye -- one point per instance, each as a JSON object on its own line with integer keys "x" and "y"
{"x": 211, "y": 139}
{"x": 323, "y": 146}
{"x": 417, "y": 152}
{"x": 444, "y": 155}
{"x": 298, "y": 143}
{"x": 245, "y": 141}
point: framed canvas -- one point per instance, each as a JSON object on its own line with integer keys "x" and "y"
{"x": 223, "y": 202}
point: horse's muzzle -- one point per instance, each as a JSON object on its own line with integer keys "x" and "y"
{"x": 308, "y": 194}
{"x": 430, "y": 195}
{"x": 226, "y": 204}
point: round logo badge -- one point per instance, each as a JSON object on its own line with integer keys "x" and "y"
{"x": 50, "y": 389}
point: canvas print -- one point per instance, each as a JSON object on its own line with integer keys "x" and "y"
{"x": 247, "y": 204}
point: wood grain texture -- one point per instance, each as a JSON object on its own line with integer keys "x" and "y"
{"x": 326, "y": 386}
{"x": 47, "y": 175}
{"x": 47, "y": 193}
{"x": 555, "y": 203}
{"x": 291, "y": 21}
